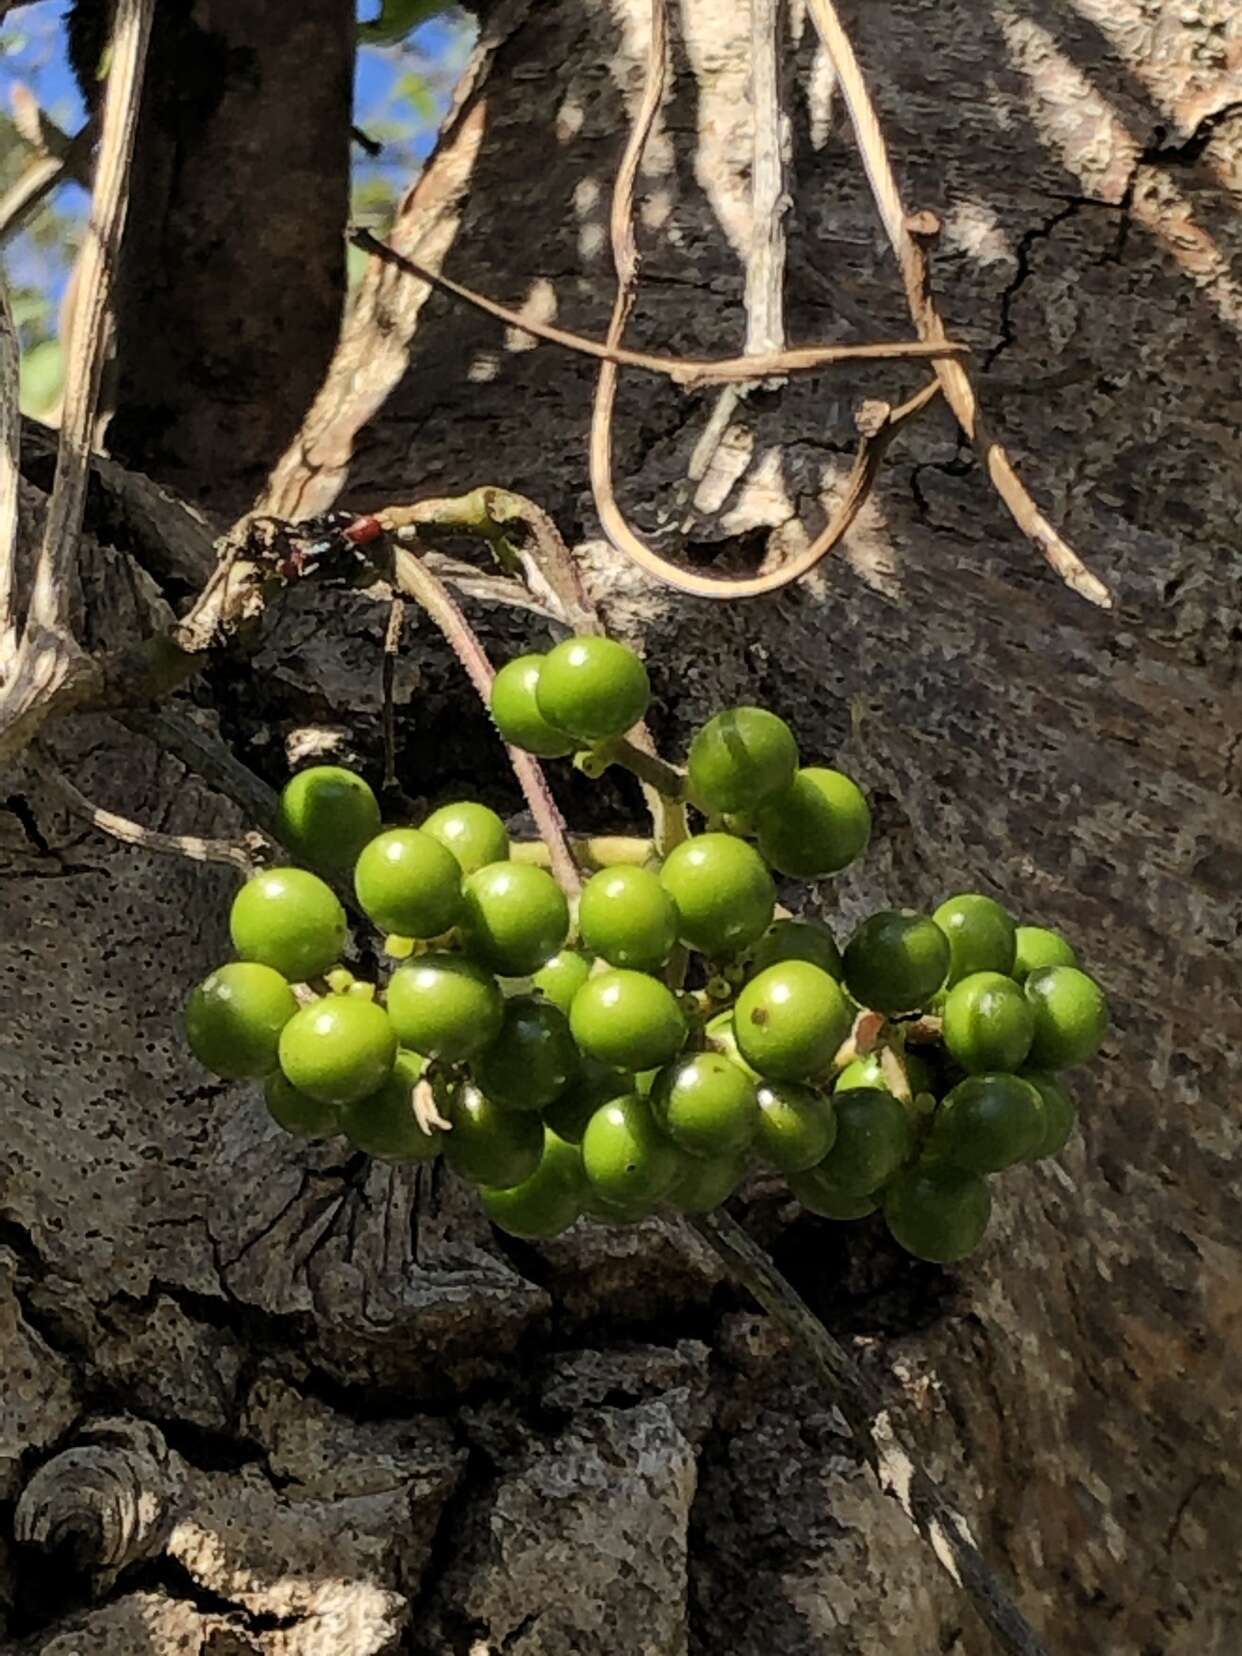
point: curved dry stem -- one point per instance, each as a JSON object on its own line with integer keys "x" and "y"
{"x": 958, "y": 391}
{"x": 944, "y": 1530}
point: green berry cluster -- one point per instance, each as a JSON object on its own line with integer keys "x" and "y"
{"x": 552, "y": 1051}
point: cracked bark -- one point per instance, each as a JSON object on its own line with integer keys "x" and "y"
{"x": 392, "y": 1424}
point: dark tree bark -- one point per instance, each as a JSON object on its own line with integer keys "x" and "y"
{"x": 378, "y": 1428}
{"x": 234, "y": 268}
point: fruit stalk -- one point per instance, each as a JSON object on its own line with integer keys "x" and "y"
{"x": 940, "y": 1525}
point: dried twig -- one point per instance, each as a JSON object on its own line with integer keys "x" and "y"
{"x": 10, "y": 458}
{"x": 244, "y": 855}
{"x": 22, "y": 200}
{"x": 958, "y": 391}
{"x": 945, "y": 1530}
{"x": 418, "y": 583}
{"x": 392, "y": 644}
{"x": 687, "y": 371}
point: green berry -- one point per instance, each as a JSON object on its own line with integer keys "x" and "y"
{"x": 515, "y": 710}
{"x": 594, "y": 688}
{"x": 797, "y": 1126}
{"x": 628, "y": 1160}
{"x": 628, "y": 918}
{"x": 533, "y": 1058}
{"x": 515, "y": 917}
{"x": 1035, "y": 946}
{"x": 981, "y": 934}
{"x": 719, "y": 1036}
{"x": 407, "y": 883}
{"x": 1071, "y": 1017}
{"x": 740, "y": 758}
{"x": 445, "y": 1006}
{"x": 704, "y": 1184}
{"x": 819, "y": 1195}
{"x": 384, "y": 1124}
{"x": 234, "y": 1018}
{"x": 723, "y": 893}
{"x": 327, "y": 814}
{"x": 874, "y": 1138}
{"x": 706, "y": 1105}
{"x": 988, "y": 1023}
{"x": 546, "y": 1203}
{"x": 790, "y": 1021}
{"x": 896, "y": 961}
{"x": 296, "y": 1112}
{"x": 560, "y": 978}
{"x": 594, "y": 1084}
{"x": 489, "y": 1145}
{"x": 988, "y": 1123}
{"x": 869, "y": 1073}
{"x": 339, "y": 1049}
{"x": 289, "y": 920}
{"x": 808, "y": 940}
{"x": 938, "y": 1213}
{"x": 474, "y": 834}
{"x": 628, "y": 1020}
{"x": 819, "y": 826}
{"x": 1059, "y": 1111}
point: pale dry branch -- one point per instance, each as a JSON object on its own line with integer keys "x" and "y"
{"x": 24, "y": 197}
{"x": 686, "y": 371}
{"x": 10, "y": 461}
{"x": 944, "y": 1529}
{"x": 392, "y": 646}
{"x": 902, "y": 233}
{"x": 241, "y": 854}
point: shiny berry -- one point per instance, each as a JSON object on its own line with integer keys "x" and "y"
{"x": 384, "y": 1124}
{"x": 808, "y": 940}
{"x": 704, "y": 1184}
{"x": 327, "y": 814}
{"x": 234, "y": 1018}
{"x": 488, "y": 1144}
{"x": 988, "y": 1123}
{"x": 515, "y": 710}
{"x": 1036, "y": 946}
{"x": 1071, "y": 1017}
{"x": 723, "y": 893}
{"x": 546, "y": 1203}
{"x": 533, "y": 1058}
{"x": 289, "y": 920}
{"x": 1060, "y": 1113}
{"x": 988, "y": 1023}
{"x": 938, "y": 1213}
{"x": 706, "y": 1105}
{"x": 627, "y": 1159}
{"x": 515, "y": 917}
{"x": 874, "y": 1139}
{"x": 869, "y": 1072}
{"x": 296, "y": 1112}
{"x": 896, "y": 961}
{"x": 981, "y": 934}
{"x": 593, "y": 1084}
{"x": 407, "y": 883}
{"x": 797, "y": 1125}
{"x": 593, "y": 688}
{"x": 445, "y": 1006}
{"x": 739, "y": 759}
{"x": 628, "y": 1020}
{"x": 560, "y": 978}
{"x": 818, "y": 826}
{"x": 626, "y": 916}
{"x": 474, "y": 834}
{"x": 791, "y": 1020}
{"x": 339, "y": 1049}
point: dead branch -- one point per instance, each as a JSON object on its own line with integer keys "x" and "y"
{"x": 10, "y": 460}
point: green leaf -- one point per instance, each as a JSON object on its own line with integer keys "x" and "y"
{"x": 396, "y": 20}
{"x": 42, "y": 377}
{"x": 415, "y": 90}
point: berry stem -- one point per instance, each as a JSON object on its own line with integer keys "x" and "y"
{"x": 417, "y": 582}
{"x": 870, "y": 1420}
{"x": 647, "y": 766}
{"x": 599, "y": 851}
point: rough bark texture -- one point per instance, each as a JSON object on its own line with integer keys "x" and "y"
{"x": 234, "y": 271}
{"x": 383, "y": 1430}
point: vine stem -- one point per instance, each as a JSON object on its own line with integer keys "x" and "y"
{"x": 943, "y": 1528}
{"x": 647, "y": 766}
{"x": 417, "y": 582}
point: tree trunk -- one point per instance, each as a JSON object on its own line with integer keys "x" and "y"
{"x": 379, "y": 1428}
